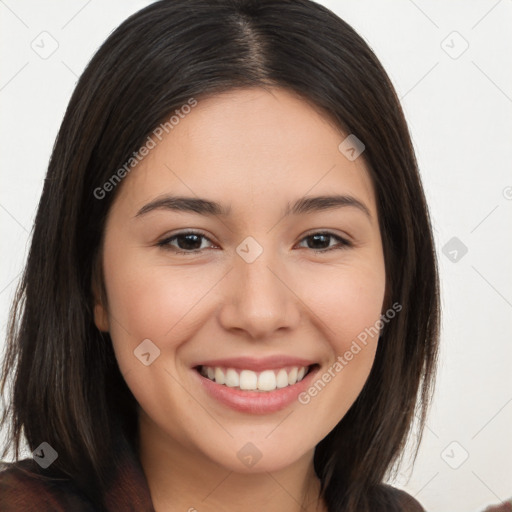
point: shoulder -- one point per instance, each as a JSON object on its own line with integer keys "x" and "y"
{"x": 22, "y": 488}
{"x": 403, "y": 499}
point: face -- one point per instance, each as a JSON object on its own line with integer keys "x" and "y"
{"x": 259, "y": 288}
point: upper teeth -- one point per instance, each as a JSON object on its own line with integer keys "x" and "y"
{"x": 267, "y": 380}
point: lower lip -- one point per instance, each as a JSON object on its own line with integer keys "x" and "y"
{"x": 256, "y": 402}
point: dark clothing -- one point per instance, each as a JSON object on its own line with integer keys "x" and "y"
{"x": 128, "y": 492}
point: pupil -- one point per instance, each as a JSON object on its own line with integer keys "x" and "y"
{"x": 196, "y": 244}
{"x": 317, "y": 237}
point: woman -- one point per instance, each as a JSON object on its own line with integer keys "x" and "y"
{"x": 231, "y": 297}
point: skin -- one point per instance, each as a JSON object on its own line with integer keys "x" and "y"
{"x": 253, "y": 150}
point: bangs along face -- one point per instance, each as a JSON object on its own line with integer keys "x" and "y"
{"x": 254, "y": 278}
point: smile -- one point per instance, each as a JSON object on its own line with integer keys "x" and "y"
{"x": 265, "y": 381}
{"x": 270, "y": 386}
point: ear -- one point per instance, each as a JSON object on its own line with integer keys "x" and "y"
{"x": 101, "y": 317}
{"x": 100, "y": 309}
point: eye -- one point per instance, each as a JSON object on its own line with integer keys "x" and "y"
{"x": 321, "y": 238}
{"x": 190, "y": 242}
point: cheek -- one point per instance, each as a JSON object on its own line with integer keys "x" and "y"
{"x": 348, "y": 306}
{"x": 151, "y": 301}
{"x": 148, "y": 301}
{"x": 346, "y": 301}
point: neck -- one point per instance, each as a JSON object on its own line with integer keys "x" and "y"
{"x": 183, "y": 479}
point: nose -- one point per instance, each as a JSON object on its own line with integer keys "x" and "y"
{"x": 259, "y": 297}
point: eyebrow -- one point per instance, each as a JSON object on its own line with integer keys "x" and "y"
{"x": 201, "y": 206}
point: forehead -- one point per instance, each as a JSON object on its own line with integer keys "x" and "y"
{"x": 247, "y": 145}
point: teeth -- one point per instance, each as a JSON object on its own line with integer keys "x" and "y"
{"x": 267, "y": 380}
{"x": 292, "y": 376}
{"x": 282, "y": 379}
{"x": 248, "y": 380}
{"x": 232, "y": 378}
{"x": 219, "y": 376}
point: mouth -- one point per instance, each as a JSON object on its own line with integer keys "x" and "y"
{"x": 259, "y": 381}
{"x": 255, "y": 392}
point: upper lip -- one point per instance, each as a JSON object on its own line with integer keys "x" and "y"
{"x": 257, "y": 364}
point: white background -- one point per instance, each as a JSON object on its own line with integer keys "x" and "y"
{"x": 459, "y": 111}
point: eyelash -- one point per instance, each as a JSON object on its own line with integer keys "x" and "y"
{"x": 165, "y": 244}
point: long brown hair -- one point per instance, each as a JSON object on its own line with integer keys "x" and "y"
{"x": 67, "y": 389}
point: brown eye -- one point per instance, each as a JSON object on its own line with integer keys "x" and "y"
{"x": 320, "y": 242}
{"x": 186, "y": 243}
{"x": 190, "y": 242}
